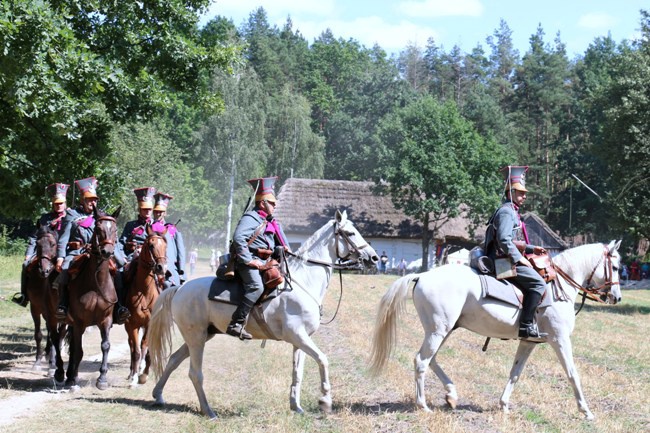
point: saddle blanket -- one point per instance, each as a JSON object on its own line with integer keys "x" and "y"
{"x": 232, "y": 292}
{"x": 507, "y": 292}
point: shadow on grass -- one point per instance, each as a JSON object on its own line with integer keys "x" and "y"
{"x": 151, "y": 406}
{"x": 623, "y": 309}
{"x": 402, "y": 407}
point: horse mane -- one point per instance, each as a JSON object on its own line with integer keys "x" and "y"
{"x": 313, "y": 239}
{"x": 583, "y": 256}
{"x": 46, "y": 229}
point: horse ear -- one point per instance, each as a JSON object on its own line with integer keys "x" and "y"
{"x": 117, "y": 211}
{"x": 613, "y": 246}
{"x": 149, "y": 229}
{"x": 96, "y": 213}
{"x": 338, "y": 216}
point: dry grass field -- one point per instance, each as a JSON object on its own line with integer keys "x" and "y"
{"x": 248, "y": 386}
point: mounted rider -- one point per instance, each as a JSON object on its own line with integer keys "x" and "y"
{"x": 131, "y": 240}
{"x": 255, "y": 238}
{"x": 79, "y": 225}
{"x": 175, "y": 244}
{"x": 57, "y": 193}
{"x": 504, "y": 228}
{"x": 135, "y": 233}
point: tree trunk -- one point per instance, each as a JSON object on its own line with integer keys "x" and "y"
{"x": 426, "y": 241}
{"x": 231, "y": 195}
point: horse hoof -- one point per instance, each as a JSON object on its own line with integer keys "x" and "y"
{"x": 142, "y": 379}
{"x": 452, "y": 402}
{"x": 325, "y": 404}
{"x": 101, "y": 385}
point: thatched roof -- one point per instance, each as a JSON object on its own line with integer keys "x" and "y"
{"x": 541, "y": 234}
{"x": 305, "y": 205}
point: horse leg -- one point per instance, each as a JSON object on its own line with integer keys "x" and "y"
{"x": 38, "y": 335}
{"x": 422, "y": 360}
{"x": 296, "y": 380}
{"x": 76, "y": 354}
{"x": 564, "y": 351}
{"x": 196, "y": 344}
{"x": 307, "y": 345}
{"x": 58, "y": 333}
{"x": 101, "y": 382}
{"x": 133, "y": 334}
{"x": 524, "y": 350}
{"x": 174, "y": 361}
{"x": 452, "y": 396}
{"x": 144, "y": 350}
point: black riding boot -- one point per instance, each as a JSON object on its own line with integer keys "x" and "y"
{"x": 527, "y": 327}
{"x": 21, "y": 298}
{"x": 61, "y": 285}
{"x": 120, "y": 312}
{"x": 236, "y": 326}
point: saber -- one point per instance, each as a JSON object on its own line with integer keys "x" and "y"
{"x": 587, "y": 186}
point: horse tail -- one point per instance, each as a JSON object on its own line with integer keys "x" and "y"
{"x": 160, "y": 330}
{"x": 391, "y": 307}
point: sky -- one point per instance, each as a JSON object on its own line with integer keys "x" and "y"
{"x": 467, "y": 23}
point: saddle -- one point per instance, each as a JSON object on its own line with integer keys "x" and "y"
{"x": 232, "y": 292}
{"x": 78, "y": 263}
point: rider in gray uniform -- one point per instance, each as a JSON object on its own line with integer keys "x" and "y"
{"x": 504, "y": 228}
{"x": 57, "y": 192}
{"x": 256, "y": 235}
{"x": 175, "y": 244}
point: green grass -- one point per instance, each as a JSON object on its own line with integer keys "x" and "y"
{"x": 248, "y": 386}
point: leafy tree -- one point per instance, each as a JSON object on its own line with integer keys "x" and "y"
{"x": 295, "y": 150}
{"x": 625, "y": 141}
{"x": 541, "y": 100}
{"x": 71, "y": 69}
{"x": 232, "y": 144}
{"x": 435, "y": 163}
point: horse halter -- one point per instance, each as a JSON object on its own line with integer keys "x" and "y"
{"x": 353, "y": 249}
{"x": 96, "y": 243}
{"x": 154, "y": 258}
{"x": 594, "y": 293}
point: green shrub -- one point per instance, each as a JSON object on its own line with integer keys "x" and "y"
{"x": 10, "y": 246}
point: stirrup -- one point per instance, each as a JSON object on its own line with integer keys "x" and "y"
{"x": 61, "y": 313}
{"x": 20, "y": 299}
{"x": 122, "y": 315}
{"x": 237, "y": 330}
{"x": 532, "y": 334}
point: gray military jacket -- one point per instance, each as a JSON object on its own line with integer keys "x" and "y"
{"x": 249, "y": 223}
{"x": 503, "y": 229}
{"x": 54, "y": 221}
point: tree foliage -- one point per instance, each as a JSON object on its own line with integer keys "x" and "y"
{"x": 71, "y": 70}
{"x": 434, "y": 164}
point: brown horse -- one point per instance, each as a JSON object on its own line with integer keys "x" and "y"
{"x": 92, "y": 297}
{"x": 40, "y": 274}
{"x": 151, "y": 266}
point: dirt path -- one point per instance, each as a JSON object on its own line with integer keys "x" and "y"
{"x": 32, "y": 386}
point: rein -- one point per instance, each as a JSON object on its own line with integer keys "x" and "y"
{"x": 343, "y": 264}
{"x": 591, "y": 293}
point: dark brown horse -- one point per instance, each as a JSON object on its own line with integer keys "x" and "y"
{"x": 151, "y": 266}
{"x": 43, "y": 300}
{"x": 92, "y": 297}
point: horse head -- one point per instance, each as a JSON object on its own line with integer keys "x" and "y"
{"x": 351, "y": 248}
{"x": 105, "y": 233}
{"x": 154, "y": 251}
{"x": 46, "y": 244}
{"x": 610, "y": 273}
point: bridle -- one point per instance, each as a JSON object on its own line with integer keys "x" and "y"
{"x": 50, "y": 258}
{"x": 96, "y": 243}
{"x": 343, "y": 262}
{"x": 153, "y": 258}
{"x": 588, "y": 291}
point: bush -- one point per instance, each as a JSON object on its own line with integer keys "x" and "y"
{"x": 9, "y": 246}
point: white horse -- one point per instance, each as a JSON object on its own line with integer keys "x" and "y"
{"x": 292, "y": 316}
{"x": 450, "y": 297}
